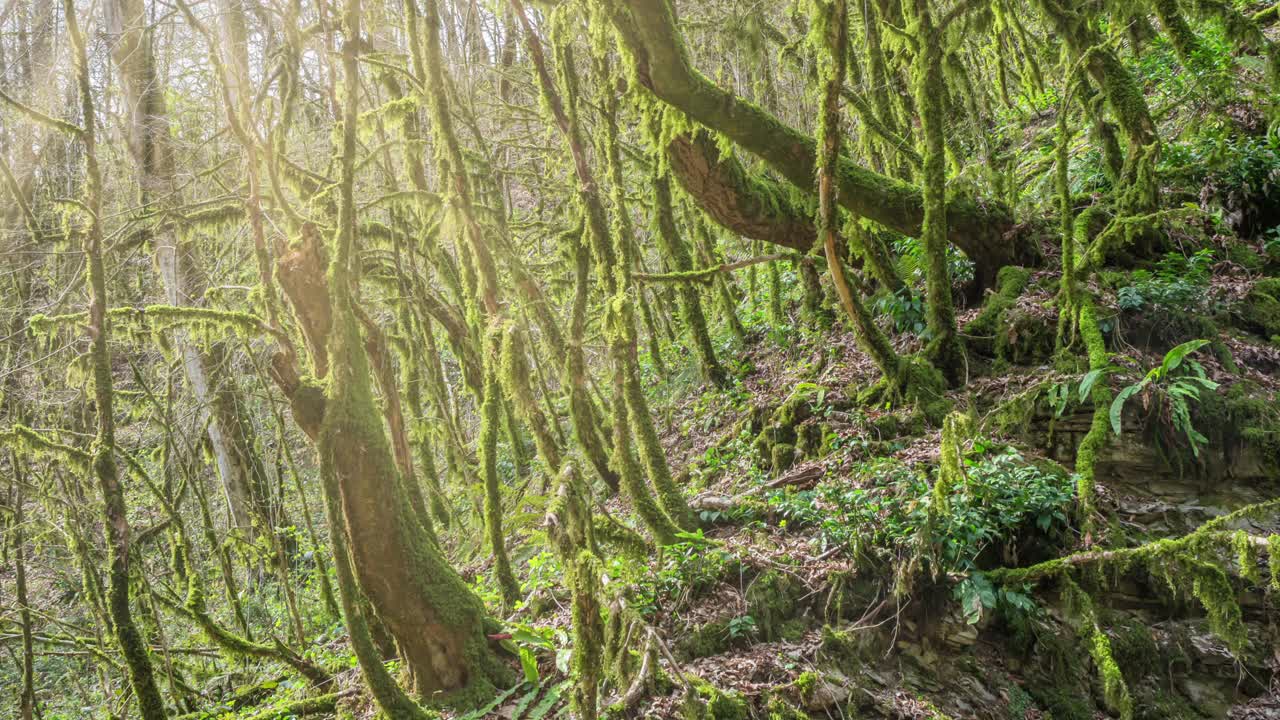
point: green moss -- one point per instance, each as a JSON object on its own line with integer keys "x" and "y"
{"x": 1013, "y": 416}
{"x": 782, "y": 455}
{"x": 1260, "y": 309}
{"x": 1151, "y": 702}
{"x": 1245, "y": 256}
{"x": 885, "y": 427}
{"x": 805, "y": 683}
{"x": 981, "y": 331}
{"x": 1247, "y": 417}
{"x": 1134, "y": 649}
{"x": 846, "y": 649}
{"x": 1114, "y": 688}
{"x": 1246, "y": 557}
{"x": 1099, "y": 427}
{"x": 488, "y": 445}
{"x": 1273, "y": 560}
{"x": 771, "y": 601}
{"x": 777, "y": 708}
{"x": 776, "y": 442}
{"x": 925, "y": 388}
{"x": 1064, "y": 703}
{"x": 809, "y": 440}
{"x": 1212, "y": 588}
{"x": 705, "y": 640}
{"x": 957, "y": 431}
{"x": 708, "y": 702}
{"x": 1025, "y": 336}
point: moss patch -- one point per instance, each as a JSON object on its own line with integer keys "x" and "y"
{"x": 981, "y": 331}
{"x": 1260, "y": 310}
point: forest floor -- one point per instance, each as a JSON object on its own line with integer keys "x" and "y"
{"x": 804, "y": 596}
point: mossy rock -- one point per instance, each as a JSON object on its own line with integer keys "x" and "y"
{"x": 772, "y": 601}
{"x": 809, "y": 439}
{"x": 1152, "y": 703}
{"x": 1244, "y": 418}
{"x": 775, "y": 445}
{"x": 1259, "y": 312}
{"x": 704, "y": 641}
{"x": 981, "y": 331}
{"x": 1134, "y": 649}
{"x": 1025, "y": 336}
{"x": 708, "y": 702}
{"x": 1013, "y": 417}
{"x": 850, "y": 650}
{"x": 782, "y": 456}
{"x": 884, "y": 427}
{"x": 1063, "y": 703}
{"x": 1064, "y": 677}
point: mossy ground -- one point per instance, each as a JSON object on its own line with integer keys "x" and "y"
{"x": 809, "y": 647}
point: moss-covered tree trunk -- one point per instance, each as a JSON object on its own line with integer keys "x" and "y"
{"x": 612, "y": 264}
{"x": 479, "y": 247}
{"x": 132, "y": 644}
{"x": 383, "y": 551}
{"x": 677, "y": 252}
{"x": 27, "y": 694}
{"x": 147, "y": 124}
{"x": 649, "y": 31}
{"x": 930, "y": 93}
{"x": 834, "y": 21}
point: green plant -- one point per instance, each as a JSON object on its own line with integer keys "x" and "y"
{"x": 911, "y": 259}
{"x": 977, "y": 595}
{"x": 525, "y": 641}
{"x": 1063, "y": 395}
{"x": 1169, "y": 390}
{"x": 887, "y": 514}
{"x": 1178, "y": 281}
{"x": 1271, "y": 242}
{"x": 741, "y": 627}
{"x": 681, "y": 571}
{"x": 905, "y": 308}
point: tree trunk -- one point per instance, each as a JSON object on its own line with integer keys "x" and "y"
{"x": 435, "y": 618}
{"x": 132, "y": 644}
{"x": 148, "y": 129}
{"x": 648, "y": 28}
{"x": 27, "y": 697}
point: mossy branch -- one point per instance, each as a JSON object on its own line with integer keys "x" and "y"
{"x": 61, "y": 125}
{"x": 1213, "y": 531}
{"x": 160, "y": 318}
{"x": 706, "y": 276}
{"x": 24, "y": 438}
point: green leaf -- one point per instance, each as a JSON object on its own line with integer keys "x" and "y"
{"x": 529, "y": 663}
{"x": 529, "y": 638}
{"x": 1174, "y": 357}
{"x": 1117, "y": 405}
{"x": 1091, "y": 377}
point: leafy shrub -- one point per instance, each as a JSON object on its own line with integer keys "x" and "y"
{"x": 682, "y": 570}
{"x": 905, "y": 309}
{"x": 1178, "y": 281}
{"x": 1002, "y": 496}
{"x": 911, "y": 261}
{"x": 1170, "y": 390}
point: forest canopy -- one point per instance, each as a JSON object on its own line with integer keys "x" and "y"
{"x": 639, "y": 358}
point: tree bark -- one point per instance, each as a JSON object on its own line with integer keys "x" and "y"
{"x": 383, "y": 550}
{"x": 148, "y": 130}
{"x": 137, "y": 658}
{"x": 662, "y": 64}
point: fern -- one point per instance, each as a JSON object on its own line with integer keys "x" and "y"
{"x": 1177, "y": 383}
